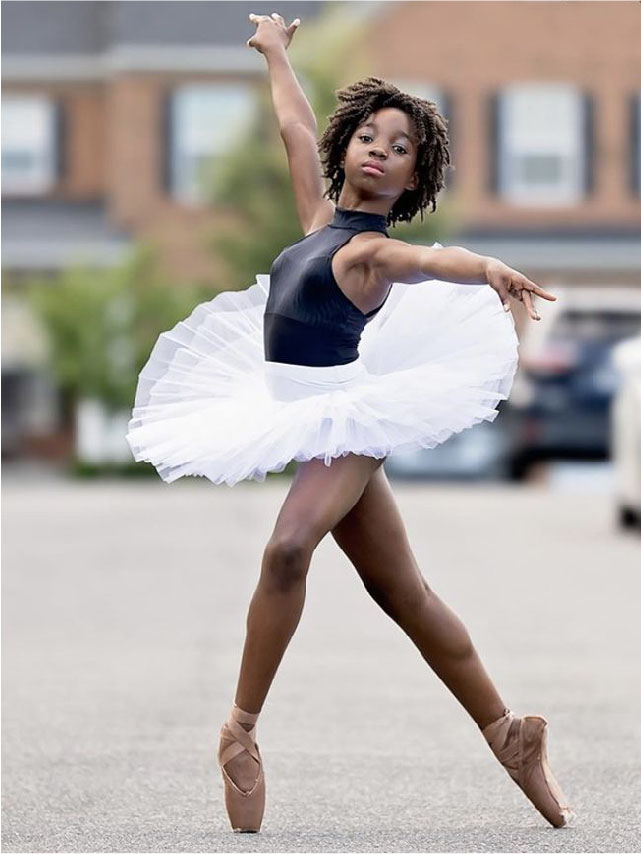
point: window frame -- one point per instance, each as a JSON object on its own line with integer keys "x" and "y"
{"x": 579, "y": 181}
{"x": 50, "y": 147}
{"x": 172, "y": 123}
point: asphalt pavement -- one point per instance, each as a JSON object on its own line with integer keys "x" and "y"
{"x": 124, "y": 608}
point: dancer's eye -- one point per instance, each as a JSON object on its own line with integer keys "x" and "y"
{"x": 363, "y": 135}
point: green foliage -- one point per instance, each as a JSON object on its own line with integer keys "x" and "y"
{"x": 101, "y": 323}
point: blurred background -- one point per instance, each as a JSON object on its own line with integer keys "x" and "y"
{"x": 142, "y": 173}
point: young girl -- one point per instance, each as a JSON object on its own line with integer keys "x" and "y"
{"x": 355, "y": 345}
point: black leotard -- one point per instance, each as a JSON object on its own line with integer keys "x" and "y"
{"x": 308, "y": 319}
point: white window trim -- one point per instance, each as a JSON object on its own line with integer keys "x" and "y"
{"x": 539, "y": 140}
{"x": 29, "y": 129}
{"x": 189, "y": 143}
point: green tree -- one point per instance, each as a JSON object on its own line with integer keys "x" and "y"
{"x": 101, "y": 323}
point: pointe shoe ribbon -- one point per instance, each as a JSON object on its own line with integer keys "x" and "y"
{"x": 522, "y": 750}
{"x": 243, "y": 740}
{"x": 244, "y": 808}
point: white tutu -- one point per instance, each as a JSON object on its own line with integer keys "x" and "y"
{"x": 437, "y": 358}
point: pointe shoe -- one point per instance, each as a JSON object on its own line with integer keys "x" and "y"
{"x": 524, "y": 757}
{"x": 245, "y": 809}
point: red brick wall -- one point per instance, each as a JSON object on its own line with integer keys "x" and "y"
{"x": 471, "y": 48}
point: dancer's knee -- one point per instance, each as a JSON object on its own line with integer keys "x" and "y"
{"x": 285, "y": 562}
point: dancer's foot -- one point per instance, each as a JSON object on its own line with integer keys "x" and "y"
{"x": 520, "y": 745}
{"x": 241, "y": 765}
{"x": 243, "y": 768}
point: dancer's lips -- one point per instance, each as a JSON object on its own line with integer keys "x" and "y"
{"x": 372, "y": 165}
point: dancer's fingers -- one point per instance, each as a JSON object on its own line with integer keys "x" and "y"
{"x": 527, "y": 300}
{"x": 503, "y": 292}
{"x": 538, "y": 290}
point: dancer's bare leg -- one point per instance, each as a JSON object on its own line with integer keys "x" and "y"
{"x": 374, "y": 538}
{"x": 318, "y": 498}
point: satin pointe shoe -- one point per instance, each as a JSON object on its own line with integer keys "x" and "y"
{"x": 244, "y": 808}
{"x": 520, "y": 745}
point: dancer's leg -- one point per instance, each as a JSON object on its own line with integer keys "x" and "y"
{"x": 318, "y": 498}
{"x": 374, "y": 538}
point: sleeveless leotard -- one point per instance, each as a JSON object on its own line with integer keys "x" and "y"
{"x": 308, "y": 319}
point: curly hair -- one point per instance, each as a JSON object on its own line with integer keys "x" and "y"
{"x": 361, "y": 99}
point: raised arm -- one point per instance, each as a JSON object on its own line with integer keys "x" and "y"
{"x": 397, "y": 261}
{"x": 296, "y": 120}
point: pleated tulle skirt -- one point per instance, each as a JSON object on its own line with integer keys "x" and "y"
{"x": 435, "y": 360}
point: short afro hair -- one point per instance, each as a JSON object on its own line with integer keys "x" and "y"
{"x": 360, "y": 100}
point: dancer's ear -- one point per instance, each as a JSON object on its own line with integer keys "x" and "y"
{"x": 413, "y": 183}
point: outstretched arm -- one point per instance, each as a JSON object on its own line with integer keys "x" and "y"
{"x": 296, "y": 119}
{"x": 398, "y": 261}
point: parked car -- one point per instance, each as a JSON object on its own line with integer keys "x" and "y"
{"x": 559, "y": 407}
{"x": 476, "y": 453}
{"x": 626, "y": 433}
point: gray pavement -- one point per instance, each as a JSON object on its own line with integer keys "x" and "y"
{"x": 124, "y": 611}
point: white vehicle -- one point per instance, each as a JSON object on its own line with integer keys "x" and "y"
{"x": 626, "y": 433}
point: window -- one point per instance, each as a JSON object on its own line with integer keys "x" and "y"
{"x": 30, "y": 144}
{"x": 543, "y": 143}
{"x": 204, "y": 123}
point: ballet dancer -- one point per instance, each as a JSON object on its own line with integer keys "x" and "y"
{"x": 355, "y": 345}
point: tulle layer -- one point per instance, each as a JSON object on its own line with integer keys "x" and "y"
{"x": 435, "y": 360}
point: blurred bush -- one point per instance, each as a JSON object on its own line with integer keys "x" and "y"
{"x": 101, "y": 324}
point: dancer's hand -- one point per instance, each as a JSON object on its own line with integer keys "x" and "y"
{"x": 510, "y": 283}
{"x": 272, "y": 32}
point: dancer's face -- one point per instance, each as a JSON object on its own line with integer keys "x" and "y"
{"x": 388, "y": 138}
